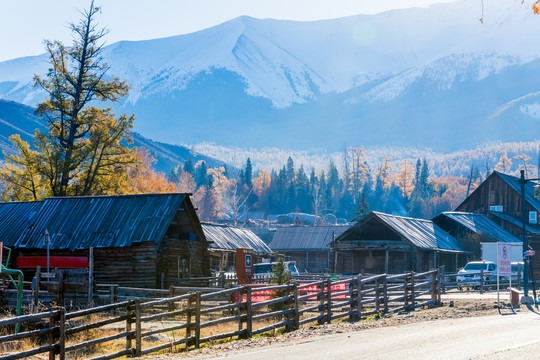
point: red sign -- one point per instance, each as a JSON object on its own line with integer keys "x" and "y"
{"x": 55, "y": 262}
{"x": 244, "y": 266}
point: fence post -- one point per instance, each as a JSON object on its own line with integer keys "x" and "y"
{"x": 188, "y": 323}
{"x": 129, "y": 320}
{"x": 60, "y": 295}
{"x": 62, "y": 338}
{"x": 434, "y": 281}
{"x": 197, "y": 318}
{"x": 329, "y": 300}
{"x": 296, "y": 314}
{"x": 352, "y": 298}
{"x": 413, "y": 298}
{"x": 35, "y": 307}
{"x": 406, "y": 292}
{"x": 359, "y": 297}
{"x": 138, "y": 328}
{"x": 440, "y": 278}
{"x": 222, "y": 280}
{"x": 385, "y": 293}
{"x": 321, "y": 302}
{"x": 377, "y": 296}
{"x": 443, "y": 278}
{"x": 52, "y": 337}
{"x": 482, "y": 281}
{"x": 171, "y": 295}
{"x": 249, "y": 313}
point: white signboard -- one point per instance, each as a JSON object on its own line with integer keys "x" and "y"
{"x": 504, "y": 259}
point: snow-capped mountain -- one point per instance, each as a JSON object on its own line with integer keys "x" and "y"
{"x": 433, "y": 76}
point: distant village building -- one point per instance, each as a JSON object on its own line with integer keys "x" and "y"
{"x": 225, "y": 239}
{"x": 383, "y": 243}
{"x": 136, "y": 239}
{"x": 309, "y": 246}
{"x": 499, "y": 198}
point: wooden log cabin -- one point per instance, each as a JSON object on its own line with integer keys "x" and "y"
{"x": 135, "y": 238}
{"x": 309, "y": 246}
{"x": 383, "y": 243}
{"x": 499, "y": 198}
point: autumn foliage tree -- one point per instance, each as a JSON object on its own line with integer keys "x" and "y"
{"x": 83, "y": 152}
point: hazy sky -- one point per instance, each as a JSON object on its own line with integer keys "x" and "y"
{"x": 25, "y": 23}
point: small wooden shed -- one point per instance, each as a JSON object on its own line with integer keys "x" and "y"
{"x": 136, "y": 239}
{"x": 225, "y": 239}
{"x": 384, "y": 243}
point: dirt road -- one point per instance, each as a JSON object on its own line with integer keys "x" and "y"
{"x": 487, "y": 337}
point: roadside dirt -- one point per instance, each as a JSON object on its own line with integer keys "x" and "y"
{"x": 451, "y": 309}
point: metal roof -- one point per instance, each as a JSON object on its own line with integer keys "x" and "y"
{"x": 231, "y": 238}
{"x": 422, "y": 233}
{"x": 305, "y": 237}
{"x": 513, "y": 220}
{"x": 513, "y": 182}
{"x": 92, "y": 221}
{"x": 480, "y": 224}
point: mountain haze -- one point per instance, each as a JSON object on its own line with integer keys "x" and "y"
{"x": 432, "y": 77}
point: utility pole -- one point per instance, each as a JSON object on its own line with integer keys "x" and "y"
{"x": 522, "y": 181}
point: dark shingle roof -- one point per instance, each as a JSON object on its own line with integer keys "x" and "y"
{"x": 305, "y": 237}
{"x": 480, "y": 224}
{"x": 513, "y": 220}
{"x": 421, "y": 233}
{"x": 232, "y": 238}
{"x": 93, "y": 221}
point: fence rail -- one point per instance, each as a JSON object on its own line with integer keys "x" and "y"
{"x": 186, "y": 319}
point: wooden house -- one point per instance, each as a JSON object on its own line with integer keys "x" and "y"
{"x": 309, "y": 246}
{"x": 383, "y": 243}
{"x": 223, "y": 242}
{"x": 499, "y": 198}
{"x": 471, "y": 230}
{"x": 136, "y": 239}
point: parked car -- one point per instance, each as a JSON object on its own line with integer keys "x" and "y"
{"x": 264, "y": 270}
{"x": 469, "y": 276}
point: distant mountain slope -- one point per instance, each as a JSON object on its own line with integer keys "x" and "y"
{"x": 16, "y": 118}
{"x": 433, "y": 77}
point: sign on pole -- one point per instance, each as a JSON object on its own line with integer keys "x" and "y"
{"x": 504, "y": 259}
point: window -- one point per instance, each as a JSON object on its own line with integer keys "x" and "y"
{"x": 498, "y": 208}
{"x": 532, "y": 217}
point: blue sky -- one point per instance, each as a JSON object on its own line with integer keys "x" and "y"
{"x": 24, "y": 24}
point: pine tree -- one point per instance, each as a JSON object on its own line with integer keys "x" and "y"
{"x": 290, "y": 169}
{"x": 201, "y": 174}
{"x": 188, "y": 166}
{"x": 362, "y": 209}
{"x": 248, "y": 173}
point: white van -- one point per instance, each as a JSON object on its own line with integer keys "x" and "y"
{"x": 264, "y": 270}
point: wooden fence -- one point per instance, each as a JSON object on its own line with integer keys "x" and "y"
{"x": 138, "y": 326}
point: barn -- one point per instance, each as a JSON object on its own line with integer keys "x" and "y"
{"x": 225, "y": 239}
{"x": 384, "y": 243}
{"x": 136, "y": 239}
{"x": 309, "y": 246}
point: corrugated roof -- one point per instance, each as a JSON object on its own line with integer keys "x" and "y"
{"x": 232, "y": 238}
{"x": 305, "y": 237}
{"x": 422, "y": 233}
{"x": 513, "y": 182}
{"x": 513, "y": 220}
{"x": 93, "y": 221}
{"x": 480, "y": 224}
